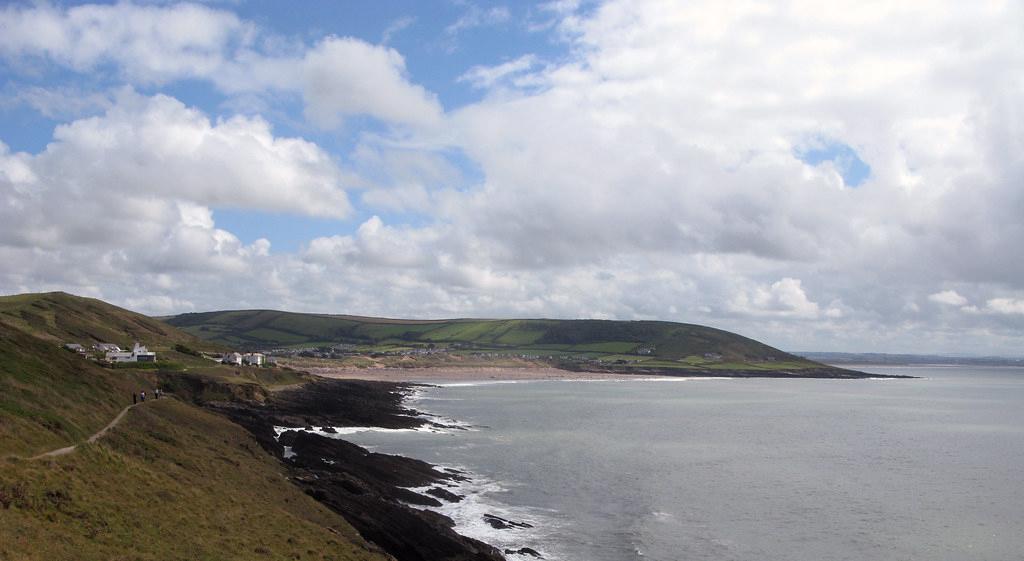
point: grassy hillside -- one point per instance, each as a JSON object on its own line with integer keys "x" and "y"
{"x": 61, "y": 318}
{"x": 50, "y": 397}
{"x": 171, "y": 482}
{"x": 653, "y": 344}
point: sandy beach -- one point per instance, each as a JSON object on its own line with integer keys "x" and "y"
{"x": 455, "y": 374}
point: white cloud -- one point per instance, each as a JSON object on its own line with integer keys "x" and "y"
{"x": 668, "y": 105}
{"x": 396, "y": 27}
{"x": 783, "y": 298}
{"x": 489, "y": 76}
{"x": 151, "y": 43}
{"x": 60, "y": 103}
{"x": 376, "y": 244}
{"x": 948, "y": 297}
{"x": 477, "y": 17}
{"x": 159, "y": 304}
{"x": 337, "y": 77}
{"x": 1008, "y": 306}
{"x": 158, "y": 147}
{"x": 124, "y": 200}
{"x": 653, "y": 172}
{"x": 343, "y": 76}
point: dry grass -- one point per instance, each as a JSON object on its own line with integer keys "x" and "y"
{"x": 51, "y": 398}
{"x": 171, "y": 482}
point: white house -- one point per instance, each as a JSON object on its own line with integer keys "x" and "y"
{"x": 142, "y": 354}
{"x": 254, "y": 359}
{"x": 232, "y": 358}
{"x": 107, "y": 347}
{"x": 75, "y": 347}
{"x": 138, "y": 354}
{"x": 120, "y": 356}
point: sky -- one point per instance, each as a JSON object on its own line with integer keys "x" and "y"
{"x": 841, "y": 176}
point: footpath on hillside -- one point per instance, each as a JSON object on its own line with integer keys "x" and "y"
{"x": 99, "y": 434}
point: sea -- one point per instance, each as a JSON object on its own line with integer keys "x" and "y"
{"x": 736, "y": 469}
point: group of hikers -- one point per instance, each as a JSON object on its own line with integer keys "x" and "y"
{"x": 136, "y": 397}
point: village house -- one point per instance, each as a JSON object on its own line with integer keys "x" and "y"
{"x": 645, "y": 350}
{"x": 138, "y": 353}
{"x": 232, "y": 358}
{"x": 107, "y": 348}
{"x": 254, "y": 359}
{"x": 75, "y": 347}
{"x": 142, "y": 354}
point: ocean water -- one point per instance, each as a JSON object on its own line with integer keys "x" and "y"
{"x": 798, "y": 470}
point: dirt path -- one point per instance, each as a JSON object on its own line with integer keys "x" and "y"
{"x": 91, "y": 439}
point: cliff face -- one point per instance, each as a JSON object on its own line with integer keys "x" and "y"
{"x": 369, "y": 490}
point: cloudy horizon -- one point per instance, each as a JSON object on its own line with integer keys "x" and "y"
{"x": 846, "y": 176}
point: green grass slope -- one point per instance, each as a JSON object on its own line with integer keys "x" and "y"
{"x": 50, "y": 397}
{"x": 64, "y": 318}
{"x": 669, "y": 343}
{"x": 171, "y": 482}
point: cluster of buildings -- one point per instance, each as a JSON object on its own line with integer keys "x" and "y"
{"x": 247, "y": 359}
{"x": 113, "y": 353}
{"x": 340, "y": 350}
{"x": 139, "y": 353}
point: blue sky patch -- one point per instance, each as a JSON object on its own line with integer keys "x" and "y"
{"x": 287, "y": 233}
{"x": 853, "y": 170}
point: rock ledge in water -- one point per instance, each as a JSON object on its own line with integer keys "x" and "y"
{"x": 499, "y": 523}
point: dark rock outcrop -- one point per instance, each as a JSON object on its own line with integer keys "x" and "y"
{"x": 370, "y": 490}
{"x": 525, "y": 551}
{"x": 499, "y": 523}
{"x": 444, "y": 494}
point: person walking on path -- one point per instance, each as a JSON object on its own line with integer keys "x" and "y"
{"x": 135, "y": 398}
{"x": 143, "y": 396}
{"x": 157, "y": 392}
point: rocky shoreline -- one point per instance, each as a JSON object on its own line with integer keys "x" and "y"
{"x": 572, "y": 371}
{"x": 371, "y": 491}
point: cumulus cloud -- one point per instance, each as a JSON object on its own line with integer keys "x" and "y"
{"x": 783, "y": 298}
{"x": 150, "y": 43}
{"x": 158, "y": 147}
{"x": 652, "y": 172}
{"x": 948, "y": 297}
{"x": 347, "y": 76}
{"x": 336, "y": 77}
{"x": 125, "y": 198}
{"x": 1008, "y": 306}
{"x": 669, "y": 132}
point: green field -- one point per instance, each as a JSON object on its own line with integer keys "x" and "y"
{"x": 622, "y": 344}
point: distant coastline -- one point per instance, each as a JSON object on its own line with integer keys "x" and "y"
{"x": 435, "y": 374}
{"x": 845, "y": 360}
